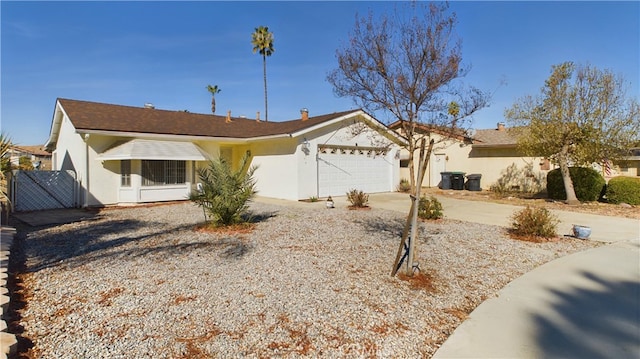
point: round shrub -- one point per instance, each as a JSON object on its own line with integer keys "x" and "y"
{"x": 624, "y": 190}
{"x": 534, "y": 222}
{"x": 587, "y": 182}
{"x": 429, "y": 208}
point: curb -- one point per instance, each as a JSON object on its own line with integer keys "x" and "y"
{"x": 8, "y": 341}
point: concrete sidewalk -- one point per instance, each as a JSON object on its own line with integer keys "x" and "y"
{"x": 603, "y": 228}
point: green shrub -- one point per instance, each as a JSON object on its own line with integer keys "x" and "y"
{"x": 623, "y": 190}
{"x": 225, "y": 193}
{"x": 587, "y": 183}
{"x": 313, "y": 199}
{"x": 357, "y": 198}
{"x": 429, "y": 208}
{"x": 536, "y": 222}
{"x": 404, "y": 186}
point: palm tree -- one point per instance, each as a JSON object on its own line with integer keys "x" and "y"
{"x": 262, "y": 41}
{"x": 214, "y": 90}
{"x": 5, "y": 146}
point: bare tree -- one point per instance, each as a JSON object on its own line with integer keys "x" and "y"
{"x": 581, "y": 117}
{"x": 406, "y": 65}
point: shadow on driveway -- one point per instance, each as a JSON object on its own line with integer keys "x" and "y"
{"x": 56, "y": 216}
{"x": 601, "y": 322}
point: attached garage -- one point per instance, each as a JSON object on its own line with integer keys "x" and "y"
{"x": 343, "y": 168}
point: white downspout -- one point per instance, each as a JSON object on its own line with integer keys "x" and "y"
{"x": 86, "y": 172}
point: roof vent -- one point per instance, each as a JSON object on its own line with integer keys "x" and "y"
{"x": 149, "y": 105}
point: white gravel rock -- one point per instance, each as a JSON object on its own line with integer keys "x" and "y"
{"x": 306, "y": 282}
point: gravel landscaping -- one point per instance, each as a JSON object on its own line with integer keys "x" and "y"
{"x": 142, "y": 282}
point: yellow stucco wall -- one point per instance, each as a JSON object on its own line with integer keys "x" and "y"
{"x": 491, "y": 163}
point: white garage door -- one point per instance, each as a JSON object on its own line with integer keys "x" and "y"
{"x": 339, "y": 172}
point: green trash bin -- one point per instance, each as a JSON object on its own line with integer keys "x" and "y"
{"x": 457, "y": 180}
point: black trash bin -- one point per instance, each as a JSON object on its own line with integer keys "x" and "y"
{"x": 473, "y": 182}
{"x": 457, "y": 180}
{"x": 446, "y": 180}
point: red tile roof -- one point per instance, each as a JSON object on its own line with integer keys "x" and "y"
{"x": 94, "y": 116}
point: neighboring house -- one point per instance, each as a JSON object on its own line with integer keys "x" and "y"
{"x": 629, "y": 167}
{"x": 491, "y": 153}
{"x": 39, "y": 157}
{"x": 124, "y": 154}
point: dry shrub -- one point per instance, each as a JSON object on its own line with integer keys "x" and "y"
{"x": 429, "y": 208}
{"x": 358, "y": 199}
{"x": 534, "y": 224}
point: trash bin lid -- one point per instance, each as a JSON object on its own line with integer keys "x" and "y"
{"x": 474, "y": 175}
{"x": 446, "y": 173}
{"x": 457, "y": 173}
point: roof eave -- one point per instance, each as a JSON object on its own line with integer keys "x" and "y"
{"x": 181, "y": 137}
{"x": 490, "y": 145}
{"x": 360, "y": 114}
{"x": 56, "y": 123}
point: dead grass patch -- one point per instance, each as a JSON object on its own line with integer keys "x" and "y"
{"x": 420, "y": 281}
{"x": 106, "y": 297}
{"x": 458, "y": 313}
{"x": 181, "y": 299}
{"x": 233, "y": 229}
{"x": 533, "y": 239}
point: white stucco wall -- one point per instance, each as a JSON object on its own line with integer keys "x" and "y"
{"x": 287, "y": 172}
{"x": 276, "y": 176}
{"x": 71, "y": 154}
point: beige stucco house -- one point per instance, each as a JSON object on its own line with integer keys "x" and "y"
{"x": 491, "y": 153}
{"x": 40, "y": 159}
{"x": 125, "y": 154}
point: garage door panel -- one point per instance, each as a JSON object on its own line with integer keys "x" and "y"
{"x": 339, "y": 173}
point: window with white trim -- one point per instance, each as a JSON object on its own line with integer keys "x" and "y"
{"x": 125, "y": 173}
{"x": 160, "y": 173}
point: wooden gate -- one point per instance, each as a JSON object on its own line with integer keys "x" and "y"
{"x": 40, "y": 190}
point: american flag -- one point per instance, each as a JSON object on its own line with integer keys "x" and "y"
{"x": 606, "y": 167}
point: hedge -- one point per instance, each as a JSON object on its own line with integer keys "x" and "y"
{"x": 623, "y": 190}
{"x": 588, "y": 184}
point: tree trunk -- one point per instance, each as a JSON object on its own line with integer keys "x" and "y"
{"x": 412, "y": 171}
{"x": 414, "y": 218}
{"x": 264, "y": 71}
{"x": 566, "y": 176}
{"x": 213, "y": 105}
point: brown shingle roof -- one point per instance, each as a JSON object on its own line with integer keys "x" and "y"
{"x": 482, "y": 138}
{"x": 37, "y": 150}
{"x": 495, "y": 137}
{"x": 96, "y": 116}
{"x": 457, "y": 133}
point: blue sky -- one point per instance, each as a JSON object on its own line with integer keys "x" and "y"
{"x": 166, "y": 53}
